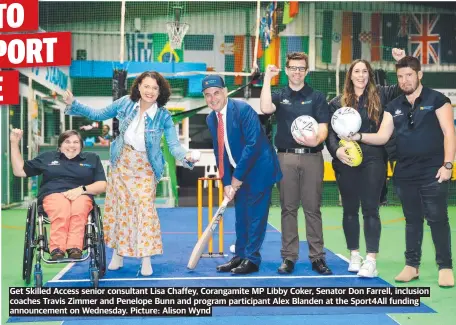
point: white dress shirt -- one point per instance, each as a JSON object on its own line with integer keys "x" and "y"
{"x": 134, "y": 136}
{"x": 225, "y": 136}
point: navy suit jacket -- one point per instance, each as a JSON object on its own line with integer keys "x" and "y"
{"x": 256, "y": 160}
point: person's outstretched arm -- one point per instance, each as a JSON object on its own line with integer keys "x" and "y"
{"x": 76, "y": 108}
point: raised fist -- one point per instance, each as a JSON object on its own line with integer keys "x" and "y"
{"x": 16, "y": 135}
{"x": 271, "y": 71}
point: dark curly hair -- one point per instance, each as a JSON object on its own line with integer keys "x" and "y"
{"x": 163, "y": 85}
{"x": 65, "y": 135}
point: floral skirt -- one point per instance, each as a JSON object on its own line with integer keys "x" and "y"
{"x": 130, "y": 223}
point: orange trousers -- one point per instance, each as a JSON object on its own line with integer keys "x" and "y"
{"x": 68, "y": 220}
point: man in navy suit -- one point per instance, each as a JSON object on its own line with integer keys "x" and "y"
{"x": 248, "y": 166}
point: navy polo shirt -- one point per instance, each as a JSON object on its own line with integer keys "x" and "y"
{"x": 61, "y": 174}
{"x": 291, "y": 104}
{"x": 419, "y": 149}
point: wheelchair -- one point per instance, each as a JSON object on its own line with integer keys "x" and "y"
{"x": 36, "y": 244}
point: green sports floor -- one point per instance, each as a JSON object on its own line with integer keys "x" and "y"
{"x": 390, "y": 259}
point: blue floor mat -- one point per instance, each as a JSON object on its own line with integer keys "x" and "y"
{"x": 179, "y": 227}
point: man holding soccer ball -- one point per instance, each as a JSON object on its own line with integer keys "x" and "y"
{"x": 299, "y": 145}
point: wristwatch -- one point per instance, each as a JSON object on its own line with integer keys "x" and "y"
{"x": 448, "y": 165}
{"x": 84, "y": 189}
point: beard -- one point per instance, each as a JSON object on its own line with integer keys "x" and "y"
{"x": 412, "y": 89}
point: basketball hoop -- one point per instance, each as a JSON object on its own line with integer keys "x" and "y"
{"x": 176, "y": 33}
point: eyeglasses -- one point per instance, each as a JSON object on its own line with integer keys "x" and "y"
{"x": 411, "y": 123}
{"x": 301, "y": 69}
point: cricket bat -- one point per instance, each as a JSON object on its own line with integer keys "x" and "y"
{"x": 202, "y": 242}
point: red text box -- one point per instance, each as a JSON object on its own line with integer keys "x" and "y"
{"x": 35, "y": 50}
{"x": 18, "y": 15}
{"x": 9, "y": 87}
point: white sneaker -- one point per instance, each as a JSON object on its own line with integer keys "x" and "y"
{"x": 146, "y": 267}
{"x": 116, "y": 261}
{"x": 368, "y": 269}
{"x": 355, "y": 262}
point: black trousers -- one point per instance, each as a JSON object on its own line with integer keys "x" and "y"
{"x": 430, "y": 202}
{"x": 361, "y": 185}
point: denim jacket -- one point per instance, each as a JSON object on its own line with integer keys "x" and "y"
{"x": 123, "y": 110}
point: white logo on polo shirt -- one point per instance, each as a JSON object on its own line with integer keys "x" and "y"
{"x": 54, "y": 163}
{"x": 285, "y": 101}
{"x": 398, "y": 112}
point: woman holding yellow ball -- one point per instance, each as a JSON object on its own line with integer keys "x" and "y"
{"x": 360, "y": 168}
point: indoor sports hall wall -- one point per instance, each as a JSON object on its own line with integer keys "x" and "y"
{"x": 221, "y": 37}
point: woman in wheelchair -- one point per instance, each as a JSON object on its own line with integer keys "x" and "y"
{"x": 70, "y": 179}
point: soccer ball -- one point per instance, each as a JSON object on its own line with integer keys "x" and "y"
{"x": 346, "y": 121}
{"x": 303, "y": 125}
{"x": 353, "y": 151}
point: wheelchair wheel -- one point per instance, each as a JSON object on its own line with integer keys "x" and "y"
{"x": 100, "y": 250}
{"x": 29, "y": 248}
{"x": 38, "y": 280}
{"x": 94, "y": 278}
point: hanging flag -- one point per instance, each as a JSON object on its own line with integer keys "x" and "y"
{"x": 358, "y": 32}
{"x": 163, "y": 51}
{"x": 369, "y": 38}
{"x": 446, "y": 28}
{"x": 200, "y": 48}
{"x": 393, "y": 27}
{"x": 233, "y": 48}
{"x": 139, "y": 47}
{"x": 291, "y": 44}
{"x": 351, "y": 29}
{"x": 375, "y": 37}
{"x": 424, "y": 41}
{"x": 272, "y": 56}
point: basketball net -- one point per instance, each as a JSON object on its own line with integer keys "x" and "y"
{"x": 176, "y": 33}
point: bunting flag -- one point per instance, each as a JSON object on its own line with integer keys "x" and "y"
{"x": 294, "y": 8}
{"x": 286, "y": 14}
{"x": 290, "y": 10}
{"x": 139, "y": 47}
{"x": 268, "y": 24}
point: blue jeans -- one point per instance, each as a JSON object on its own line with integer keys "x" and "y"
{"x": 430, "y": 202}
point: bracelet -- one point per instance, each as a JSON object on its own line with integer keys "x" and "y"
{"x": 360, "y": 136}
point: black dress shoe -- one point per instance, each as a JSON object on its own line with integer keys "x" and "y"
{"x": 321, "y": 267}
{"x": 286, "y": 267}
{"x": 234, "y": 262}
{"x": 245, "y": 267}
